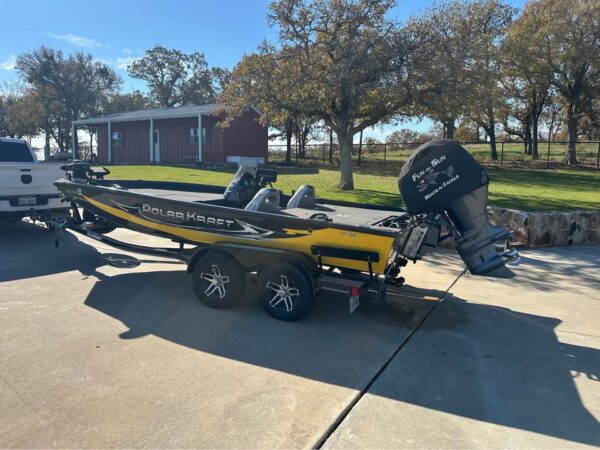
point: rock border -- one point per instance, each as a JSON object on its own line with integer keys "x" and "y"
{"x": 548, "y": 228}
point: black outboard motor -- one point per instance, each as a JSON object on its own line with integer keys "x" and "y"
{"x": 441, "y": 176}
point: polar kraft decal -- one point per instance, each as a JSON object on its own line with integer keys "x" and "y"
{"x": 193, "y": 220}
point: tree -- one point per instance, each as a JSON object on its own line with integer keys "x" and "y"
{"x": 165, "y": 71}
{"x": 405, "y": 135}
{"x": 552, "y": 117}
{"x": 260, "y": 80}
{"x": 372, "y": 144}
{"x": 567, "y": 37}
{"x": 5, "y": 102}
{"x": 176, "y": 78}
{"x": 467, "y": 131}
{"x": 303, "y": 128}
{"x": 485, "y": 21}
{"x": 132, "y": 101}
{"x": 9, "y": 93}
{"x": 522, "y": 116}
{"x": 4, "y": 130}
{"x": 404, "y": 139}
{"x": 25, "y": 116}
{"x": 526, "y": 76}
{"x": 67, "y": 87}
{"x": 592, "y": 119}
{"x": 284, "y": 121}
{"x": 439, "y": 62}
{"x": 342, "y": 62}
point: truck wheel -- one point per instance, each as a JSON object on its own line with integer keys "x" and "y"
{"x": 218, "y": 280}
{"x": 285, "y": 292}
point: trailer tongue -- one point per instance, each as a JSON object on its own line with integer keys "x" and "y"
{"x": 297, "y": 246}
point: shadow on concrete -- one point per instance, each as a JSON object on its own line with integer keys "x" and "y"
{"x": 27, "y": 251}
{"x": 558, "y": 264}
{"x": 329, "y": 345}
{"x": 482, "y": 362}
{"x": 499, "y": 366}
{"x": 570, "y": 265}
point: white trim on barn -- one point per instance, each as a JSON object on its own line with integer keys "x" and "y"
{"x": 146, "y": 114}
{"x": 151, "y": 140}
{"x": 109, "y": 127}
{"x": 200, "y": 138}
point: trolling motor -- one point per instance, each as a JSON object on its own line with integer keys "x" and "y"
{"x": 441, "y": 178}
{"x": 82, "y": 170}
{"x": 79, "y": 170}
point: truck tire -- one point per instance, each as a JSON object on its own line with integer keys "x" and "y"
{"x": 219, "y": 280}
{"x": 285, "y": 291}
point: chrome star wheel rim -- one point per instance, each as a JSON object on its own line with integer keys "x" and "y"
{"x": 283, "y": 295}
{"x": 216, "y": 282}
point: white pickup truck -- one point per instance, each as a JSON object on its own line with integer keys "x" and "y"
{"x": 26, "y": 185}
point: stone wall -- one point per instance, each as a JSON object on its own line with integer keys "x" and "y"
{"x": 536, "y": 229}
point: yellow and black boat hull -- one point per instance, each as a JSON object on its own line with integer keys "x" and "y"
{"x": 203, "y": 223}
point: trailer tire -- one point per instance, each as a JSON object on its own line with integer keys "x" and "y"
{"x": 285, "y": 292}
{"x": 219, "y": 280}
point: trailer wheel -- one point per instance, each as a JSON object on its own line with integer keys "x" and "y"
{"x": 285, "y": 292}
{"x": 218, "y": 280}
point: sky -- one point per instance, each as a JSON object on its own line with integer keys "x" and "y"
{"x": 117, "y": 32}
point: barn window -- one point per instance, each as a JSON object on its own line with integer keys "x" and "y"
{"x": 205, "y": 135}
{"x": 117, "y": 138}
{"x": 193, "y": 135}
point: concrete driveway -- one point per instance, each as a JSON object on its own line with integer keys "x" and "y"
{"x": 103, "y": 349}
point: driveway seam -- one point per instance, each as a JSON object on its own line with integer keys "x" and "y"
{"x": 344, "y": 413}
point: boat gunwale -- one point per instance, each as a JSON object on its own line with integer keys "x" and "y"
{"x": 368, "y": 229}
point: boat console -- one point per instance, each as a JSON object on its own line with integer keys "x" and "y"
{"x": 246, "y": 183}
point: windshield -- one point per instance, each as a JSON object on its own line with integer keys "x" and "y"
{"x": 15, "y": 152}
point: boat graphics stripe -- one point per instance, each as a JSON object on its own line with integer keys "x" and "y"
{"x": 293, "y": 239}
{"x": 243, "y": 228}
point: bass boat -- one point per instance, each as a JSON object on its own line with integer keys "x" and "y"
{"x": 300, "y": 243}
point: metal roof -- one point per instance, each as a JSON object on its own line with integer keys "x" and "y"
{"x": 147, "y": 114}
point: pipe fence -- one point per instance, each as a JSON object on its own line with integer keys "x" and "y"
{"x": 508, "y": 154}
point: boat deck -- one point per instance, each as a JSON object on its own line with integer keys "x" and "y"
{"x": 349, "y": 215}
{"x": 344, "y": 214}
{"x": 183, "y": 196}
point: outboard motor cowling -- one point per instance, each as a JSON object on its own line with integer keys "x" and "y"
{"x": 441, "y": 176}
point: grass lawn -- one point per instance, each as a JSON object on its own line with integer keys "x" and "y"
{"x": 530, "y": 190}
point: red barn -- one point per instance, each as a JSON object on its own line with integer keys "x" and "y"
{"x": 185, "y": 134}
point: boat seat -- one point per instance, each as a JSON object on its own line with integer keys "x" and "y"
{"x": 265, "y": 200}
{"x": 303, "y": 198}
